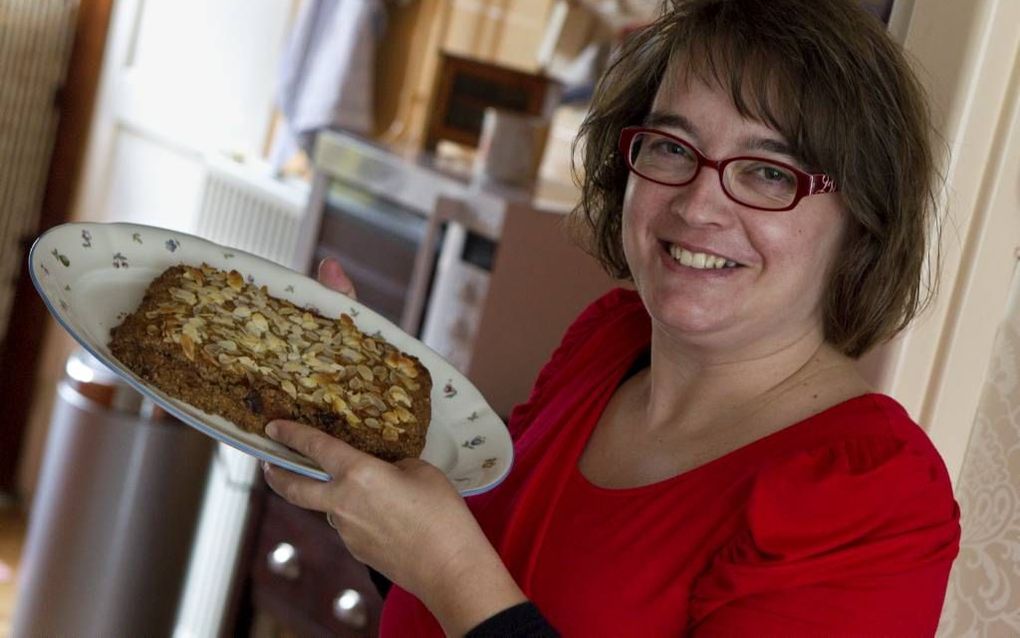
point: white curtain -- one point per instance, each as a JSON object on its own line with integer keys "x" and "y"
{"x": 983, "y": 600}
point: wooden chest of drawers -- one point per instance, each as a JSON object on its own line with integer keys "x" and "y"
{"x": 303, "y": 581}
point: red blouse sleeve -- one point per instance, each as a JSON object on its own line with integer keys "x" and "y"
{"x": 582, "y": 329}
{"x": 853, "y": 539}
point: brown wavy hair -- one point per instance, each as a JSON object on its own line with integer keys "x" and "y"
{"x": 825, "y": 75}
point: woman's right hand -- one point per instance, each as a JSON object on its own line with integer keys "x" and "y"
{"x": 331, "y": 275}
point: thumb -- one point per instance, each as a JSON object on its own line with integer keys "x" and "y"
{"x": 332, "y": 275}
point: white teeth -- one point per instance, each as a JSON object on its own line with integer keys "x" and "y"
{"x": 701, "y": 261}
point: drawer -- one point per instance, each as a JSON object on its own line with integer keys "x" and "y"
{"x": 304, "y": 576}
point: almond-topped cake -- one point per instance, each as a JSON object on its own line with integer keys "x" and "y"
{"x": 208, "y": 338}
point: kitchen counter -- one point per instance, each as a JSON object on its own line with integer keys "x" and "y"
{"x": 418, "y": 181}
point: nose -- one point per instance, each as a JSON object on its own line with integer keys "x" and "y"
{"x": 703, "y": 202}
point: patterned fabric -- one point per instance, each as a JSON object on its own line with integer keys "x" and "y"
{"x": 984, "y": 586}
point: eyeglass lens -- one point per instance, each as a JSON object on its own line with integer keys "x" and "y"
{"x": 754, "y": 182}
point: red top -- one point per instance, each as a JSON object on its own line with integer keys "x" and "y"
{"x": 841, "y": 524}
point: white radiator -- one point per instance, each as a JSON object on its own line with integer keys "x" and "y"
{"x": 35, "y": 42}
{"x": 244, "y": 207}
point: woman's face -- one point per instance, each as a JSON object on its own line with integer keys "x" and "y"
{"x": 772, "y": 296}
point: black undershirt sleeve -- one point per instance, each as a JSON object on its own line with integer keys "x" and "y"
{"x": 520, "y": 621}
{"x": 382, "y": 584}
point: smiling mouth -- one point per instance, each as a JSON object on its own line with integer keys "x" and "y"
{"x": 699, "y": 261}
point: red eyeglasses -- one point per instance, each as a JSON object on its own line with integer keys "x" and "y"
{"x": 755, "y": 182}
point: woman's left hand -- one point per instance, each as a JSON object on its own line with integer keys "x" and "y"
{"x": 405, "y": 519}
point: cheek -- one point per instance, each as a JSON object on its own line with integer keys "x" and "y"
{"x": 640, "y": 205}
{"x": 803, "y": 251}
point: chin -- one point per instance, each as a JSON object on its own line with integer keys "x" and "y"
{"x": 682, "y": 313}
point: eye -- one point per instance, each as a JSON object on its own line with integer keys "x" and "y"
{"x": 773, "y": 175}
{"x": 667, "y": 147}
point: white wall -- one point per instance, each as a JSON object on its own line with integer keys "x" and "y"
{"x": 967, "y": 56}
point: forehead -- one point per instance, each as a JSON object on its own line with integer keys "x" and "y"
{"x": 755, "y": 86}
{"x": 704, "y": 110}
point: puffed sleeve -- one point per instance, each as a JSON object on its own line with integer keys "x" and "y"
{"x": 851, "y": 539}
{"x": 579, "y": 332}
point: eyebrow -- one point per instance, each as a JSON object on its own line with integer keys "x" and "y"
{"x": 656, "y": 119}
{"x": 673, "y": 120}
{"x": 767, "y": 144}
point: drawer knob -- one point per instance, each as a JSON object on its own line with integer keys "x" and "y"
{"x": 350, "y": 608}
{"x": 283, "y": 561}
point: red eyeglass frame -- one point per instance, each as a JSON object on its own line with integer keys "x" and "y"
{"x": 807, "y": 183}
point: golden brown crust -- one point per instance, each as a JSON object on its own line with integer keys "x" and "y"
{"x": 206, "y": 337}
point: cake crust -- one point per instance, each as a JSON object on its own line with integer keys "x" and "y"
{"x": 207, "y": 337}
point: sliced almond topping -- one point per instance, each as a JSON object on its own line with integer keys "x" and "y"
{"x": 407, "y": 368}
{"x": 188, "y": 346}
{"x": 321, "y": 380}
{"x": 183, "y": 295}
{"x": 260, "y": 320}
{"x": 349, "y": 354}
{"x": 190, "y": 330}
{"x": 397, "y": 394}
{"x": 235, "y": 280}
{"x": 331, "y": 364}
{"x": 352, "y": 419}
{"x": 289, "y": 388}
{"x": 404, "y": 415}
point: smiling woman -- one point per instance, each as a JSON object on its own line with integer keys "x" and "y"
{"x": 700, "y": 457}
{"x": 856, "y": 110}
{"x": 772, "y": 297}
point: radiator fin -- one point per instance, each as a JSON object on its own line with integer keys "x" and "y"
{"x": 244, "y": 207}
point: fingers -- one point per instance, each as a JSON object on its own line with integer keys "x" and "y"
{"x": 332, "y": 454}
{"x": 298, "y": 490}
{"x": 332, "y": 275}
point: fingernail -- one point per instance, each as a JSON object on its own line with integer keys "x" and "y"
{"x": 265, "y": 466}
{"x": 271, "y": 429}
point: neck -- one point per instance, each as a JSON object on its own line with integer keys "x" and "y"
{"x": 689, "y": 391}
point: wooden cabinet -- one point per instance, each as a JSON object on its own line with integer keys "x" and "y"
{"x": 504, "y": 32}
{"x": 302, "y": 581}
{"x": 507, "y": 33}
